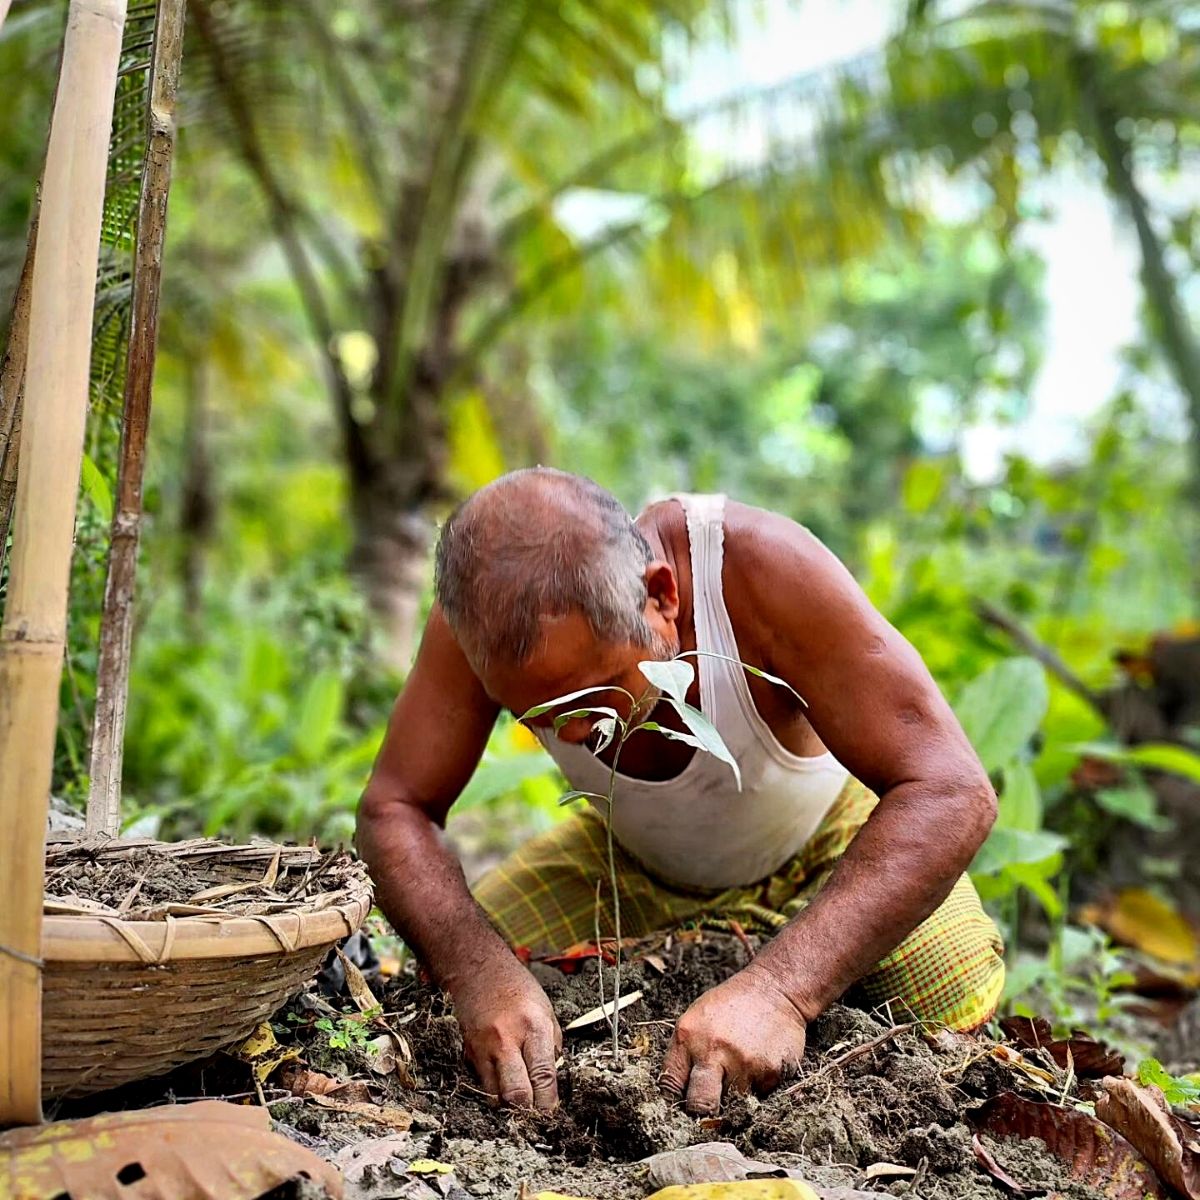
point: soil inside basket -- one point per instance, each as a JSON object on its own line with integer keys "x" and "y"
{"x": 904, "y": 1103}
{"x": 143, "y": 881}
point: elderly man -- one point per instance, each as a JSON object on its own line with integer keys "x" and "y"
{"x": 545, "y": 585}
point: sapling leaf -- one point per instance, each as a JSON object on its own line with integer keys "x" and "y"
{"x": 698, "y": 742}
{"x": 606, "y": 727}
{"x": 599, "y": 710}
{"x": 783, "y": 683}
{"x": 674, "y": 676}
{"x": 573, "y": 795}
{"x": 706, "y": 733}
{"x": 546, "y": 706}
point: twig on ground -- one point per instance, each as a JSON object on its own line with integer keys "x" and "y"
{"x": 853, "y": 1055}
{"x": 740, "y": 934}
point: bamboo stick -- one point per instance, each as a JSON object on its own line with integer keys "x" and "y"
{"x": 116, "y": 624}
{"x": 62, "y": 302}
{"x": 12, "y": 384}
{"x": 4, "y": 6}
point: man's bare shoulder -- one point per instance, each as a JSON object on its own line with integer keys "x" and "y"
{"x": 764, "y": 549}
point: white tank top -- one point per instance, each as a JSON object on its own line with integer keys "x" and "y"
{"x": 697, "y": 830}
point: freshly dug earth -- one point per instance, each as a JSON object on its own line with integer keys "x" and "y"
{"x": 902, "y": 1103}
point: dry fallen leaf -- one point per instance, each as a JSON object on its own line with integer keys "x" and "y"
{"x": 1138, "y": 918}
{"x": 602, "y": 1012}
{"x": 708, "y": 1162}
{"x": 209, "y": 1150}
{"x": 399, "y": 1119}
{"x": 1141, "y": 1114}
{"x": 1089, "y": 1058}
{"x": 750, "y": 1189}
{"x": 988, "y": 1162}
{"x": 262, "y": 1051}
{"x": 887, "y": 1170}
{"x": 1094, "y": 1153}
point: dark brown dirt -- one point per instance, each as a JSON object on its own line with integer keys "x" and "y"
{"x": 903, "y": 1104}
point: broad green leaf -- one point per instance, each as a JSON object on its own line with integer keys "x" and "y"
{"x": 496, "y": 777}
{"x": 1156, "y": 756}
{"x": 1006, "y": 847}
{"x": 1134, "y": 802}
{"x": 320, "y": 710}
{"x": 706, "y": 733}
{"x": 95, "y": 487}
{"x": 1001, "y": 709}
{"x": 1021, "y": 799}
{"x": 538, "y": 709}
{"x": 923, "y": 483}
{"x": 1035, "y": 879}
{"x": 573, "y": 795}
{"x": 673, "y": 677}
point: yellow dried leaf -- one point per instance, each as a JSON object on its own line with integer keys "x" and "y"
{"x": 429, "y": 1166}
{"x": 263, "y": 1052}
{"x": 1138, "y": 918}
{"x": 749, "y": 1189}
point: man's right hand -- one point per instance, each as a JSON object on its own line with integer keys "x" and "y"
{"x": 510, "y": 1034}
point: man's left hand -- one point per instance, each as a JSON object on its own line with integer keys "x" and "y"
{"x": 744, "y": 1035}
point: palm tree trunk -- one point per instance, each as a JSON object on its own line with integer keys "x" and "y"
{"x": 116, "y": 621}
{"x": 62, "y": 301}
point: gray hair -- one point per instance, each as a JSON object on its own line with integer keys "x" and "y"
{"x": 540, "y": 543}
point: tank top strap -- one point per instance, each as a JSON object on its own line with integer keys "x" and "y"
{"x": 721, "y": 681}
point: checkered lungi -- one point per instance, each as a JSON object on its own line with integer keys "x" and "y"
{"x": 949, "y": 970}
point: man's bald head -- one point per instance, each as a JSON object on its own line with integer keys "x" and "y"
{"x": 534, "y": 544}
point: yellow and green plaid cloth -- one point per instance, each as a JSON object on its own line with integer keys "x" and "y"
{"x": 949, "y": 970}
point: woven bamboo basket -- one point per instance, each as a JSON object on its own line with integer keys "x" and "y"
{"x": 132, "y": 989}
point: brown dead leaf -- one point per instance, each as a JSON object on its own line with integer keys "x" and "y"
{"x": 172, "y": 1148}
{"x": 1141, "y": 1114}
{"x": 356, "y": 984}
{"x": 300, "y": 1081}
{"x": 1088, "y": 1058}
{"x": 988, "y": 1162}
{"x": 708, "y": 1162}
{"x": 1093, "y": 1152}
{"x": 399, "y": 1119}
{"x": 1138, "y": 918}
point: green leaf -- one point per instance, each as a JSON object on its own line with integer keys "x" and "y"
{"x": 573, "y": 795}
{"x": 538, "y": 709}
{"x": 923, "y": 483}
{"x": 95, "y": 487}
{"x": 1006, "y": 847}
{"x": 783, "y": 683}
{"x": 1156, "y": 756}
{"x": 1001, "y": 709}
{"x": 1021, "y": 800}
{"x": 1135, "y": 803}
{"x": 706, "y": 734}
{"x": 575, "y": 713}
{"x": 673, "y": 677}
{"x": 320, "y": 710}
{"x": 496, "y": 777}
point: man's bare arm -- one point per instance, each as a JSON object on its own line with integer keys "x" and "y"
{"x": 874, "y": 704}
{"x": 435, "y": 737}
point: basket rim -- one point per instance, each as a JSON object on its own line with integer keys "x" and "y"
{"x": 96, "y": 938}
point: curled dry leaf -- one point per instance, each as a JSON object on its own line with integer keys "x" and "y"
{"x": 708, "y": 1162}
{"x": 1089, "y": 1058}
{"x": 209, "y": 1150}
{"x": 886, "y": 1170}
{"x": 987, "y": 1161}
{"x": 1093, "y": 1152}
{"x": 1141, "y": 1114}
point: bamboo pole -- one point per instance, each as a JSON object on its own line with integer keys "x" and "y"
{"x": 12, "y": 384}
{"x": 62, "y": 303}
{"x": 116, "y": 623}
{"x": 4, "y": 5}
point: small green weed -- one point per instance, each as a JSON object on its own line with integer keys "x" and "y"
{"x": 1178, "y": 1089}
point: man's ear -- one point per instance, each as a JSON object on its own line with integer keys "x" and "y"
{"x": 662, "y": 590}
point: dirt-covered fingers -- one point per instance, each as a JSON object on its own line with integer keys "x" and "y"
{"x": 540, "y": 1054}
{"x": 704, "y": 1089}
{"x": 512, "y": 1080}
{"x": 677, "y": 1066}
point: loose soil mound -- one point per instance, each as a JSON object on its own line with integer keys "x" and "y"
{"x": 901, "y": 1103}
